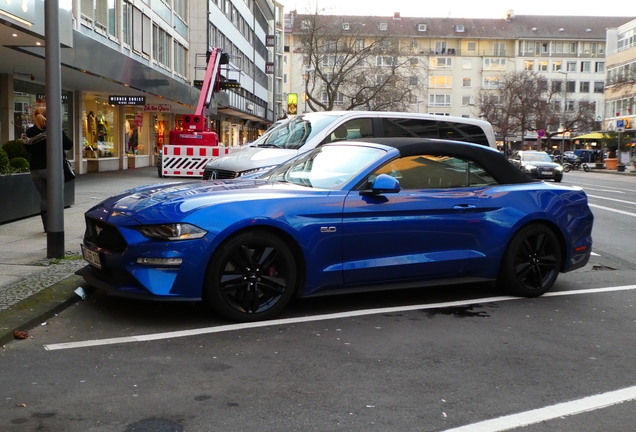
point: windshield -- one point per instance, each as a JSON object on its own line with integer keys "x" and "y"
{"x": 294, "y": 133}
{"x": 326, "y": 167}
{"x": 537, "y": 157}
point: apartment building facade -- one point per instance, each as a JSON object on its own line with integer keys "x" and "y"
{"x": 620, "y": 90}
{"x": 128, "y": 70}
{"x": 460, "y": 56}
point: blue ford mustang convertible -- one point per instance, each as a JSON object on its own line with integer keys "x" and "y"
{"x": 345, "y": 217}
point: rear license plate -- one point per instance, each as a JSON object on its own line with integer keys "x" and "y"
{"x": 91, "y": 256}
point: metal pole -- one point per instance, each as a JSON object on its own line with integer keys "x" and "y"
{"x": 54, "y": 176}
{"x": 565, "y": 95}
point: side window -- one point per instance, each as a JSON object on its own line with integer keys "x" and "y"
{"x": 357, "y": 128}
{"x": 405, "y": 127}
{"x": 422, "y": 128}
{"x": 462, "y": 132}
{"x": 436, "y": 172}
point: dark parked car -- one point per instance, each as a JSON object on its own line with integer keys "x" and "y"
{"x": 343, "y": 217}
{"x": 537, "y": 164}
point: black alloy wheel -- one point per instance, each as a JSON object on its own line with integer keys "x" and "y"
{"x": 531, "y": 262}
{"x": 251, "y": 277}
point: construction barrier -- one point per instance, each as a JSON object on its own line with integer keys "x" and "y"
{"x": 189, "y": 161}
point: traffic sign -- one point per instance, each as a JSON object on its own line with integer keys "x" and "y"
{"x": 620, "y": 123}
{"x": 541, "y": 133}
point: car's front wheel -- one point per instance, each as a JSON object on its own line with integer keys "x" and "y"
{"x": 251, "y": 277}
{"x": 531, "y": 262}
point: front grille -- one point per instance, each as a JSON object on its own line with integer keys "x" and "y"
{"x": 217, "y": 174}
{"x": 104, "y": 235}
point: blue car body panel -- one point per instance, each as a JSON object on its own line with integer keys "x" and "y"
{"x": 347, "y": 240}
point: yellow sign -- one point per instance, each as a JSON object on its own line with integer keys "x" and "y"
{"x": 292, "y": 103}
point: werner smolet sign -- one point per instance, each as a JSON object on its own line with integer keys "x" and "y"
{"x": 157, "y": 108}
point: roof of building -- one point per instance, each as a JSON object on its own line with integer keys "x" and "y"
{"x": 516, "y": 27}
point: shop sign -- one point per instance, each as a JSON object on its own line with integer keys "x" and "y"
{"x": 139, "y": 120}
{"x": 42, "y": 97}
{"x": 269, "y": 68}
{"x": 158, "y": 108}
{"x": 270, "y": 40}
{"x": 127, "y": 100}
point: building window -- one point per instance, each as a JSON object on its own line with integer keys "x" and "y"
{"x": 384, "y": 61}
{"x": 557, "y": 66}
{"x": 413, "y": 81}
{"x": 439, "y": 100}
{"x": 490, "y": 82}
{"x": 414, "y": 61}
{"x": 528, "y": 65}
{"x": 570, "y": 86}
{"x": 569, "y": 105}
{"x": 382, "y": 26}
{"x": 543, "y": 65}
{"x": 459, "y": 28}
{"x": 440, "y": 81}
{"x": 345, "y": 26}
{"x": 494, "y": 64}
{"x": 421, "y": 27}
{"x": 557, "y": 86}
{"x": 585, "y": 66}
{"x": 466, "y": 82}
{"x": 471, "y": 47}
{"x": 584, "y": 87}
{"x": 599, "y": 67}
{"x": 441, "y": 63}
{"x": 599, "y": 87}
{"x": 466, "y": 100}
{"x": 571, "y": 66}
{"x": 180, "y": 60}
{"x": 161, "y": 46}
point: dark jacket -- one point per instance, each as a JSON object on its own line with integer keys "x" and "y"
{"x": 38, "y": 149}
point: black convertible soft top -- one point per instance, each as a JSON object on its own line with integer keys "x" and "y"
{"x": 488, "y": 158}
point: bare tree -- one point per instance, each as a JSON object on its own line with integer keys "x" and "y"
{"x": 352, "y": 65}
{"x": 524, "y": 101}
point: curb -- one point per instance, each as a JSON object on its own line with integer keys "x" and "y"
{"x": 39, "y": 307}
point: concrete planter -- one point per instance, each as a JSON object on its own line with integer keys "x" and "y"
{"x": 20, "y": 198}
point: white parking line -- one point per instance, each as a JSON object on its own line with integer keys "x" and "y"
{"x": 613, "y": 210}
{"x": 611, "y": 199}
{"x": 527, "y": 418}
{"x": 323, "y": 317}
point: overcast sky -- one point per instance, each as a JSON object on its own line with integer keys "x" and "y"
{"x": 465, "y": 8}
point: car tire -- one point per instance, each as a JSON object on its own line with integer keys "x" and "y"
{"x": 558, "y": 180}
{"x": 531, "y": 263}
{"x": 251, "y": 277}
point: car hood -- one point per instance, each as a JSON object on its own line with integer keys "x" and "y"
{"x": 250, "y": 158}
{"x": 158, "y": 203}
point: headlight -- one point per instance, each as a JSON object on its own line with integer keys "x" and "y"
{"x": 530, "y": 168}
{"x": 559, "y": 168}
{"x": 177, "y": 231}
{"x": 255, "y": 171}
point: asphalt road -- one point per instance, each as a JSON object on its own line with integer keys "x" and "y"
{"x": 417, "y": 360}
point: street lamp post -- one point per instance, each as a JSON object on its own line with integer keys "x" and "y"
{"x": 565, "y": 95}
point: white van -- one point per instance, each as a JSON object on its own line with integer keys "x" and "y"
{"x": 304, "y": 132}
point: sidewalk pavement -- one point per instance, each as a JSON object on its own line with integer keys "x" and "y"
{"x": 34, "y": 288}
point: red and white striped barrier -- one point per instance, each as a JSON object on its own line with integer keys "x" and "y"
{"x": 189, "y": 161}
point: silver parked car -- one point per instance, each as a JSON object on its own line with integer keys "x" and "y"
{"x": 305, "y": 132}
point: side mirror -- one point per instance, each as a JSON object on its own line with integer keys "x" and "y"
{"x": 383, "y": 184}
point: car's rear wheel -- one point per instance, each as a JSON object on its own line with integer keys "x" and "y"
{"x": 531, "y": 263}
{"x": 251, "y": 277}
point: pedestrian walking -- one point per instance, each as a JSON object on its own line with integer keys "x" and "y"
{"x": 36, "y": 146}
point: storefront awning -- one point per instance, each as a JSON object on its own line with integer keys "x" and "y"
{"x": 592, "y": 136}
